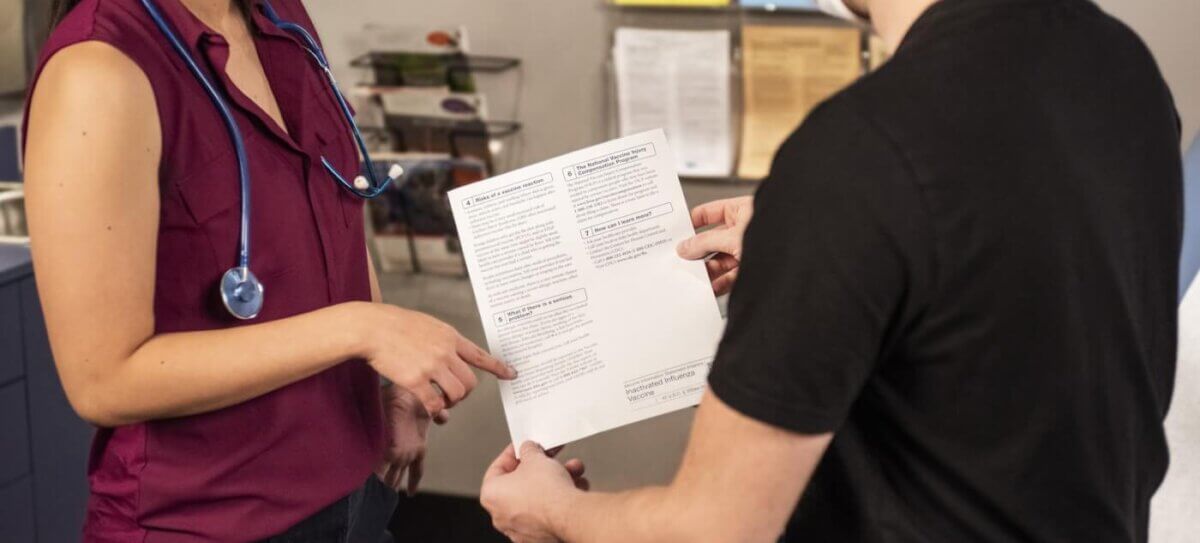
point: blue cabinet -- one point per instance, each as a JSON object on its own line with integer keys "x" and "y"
{"x": 14, "y": 426}
{"x": 43, "y": 444}
{"x": 16, "y": 510}
{"x": 11, "y": 364}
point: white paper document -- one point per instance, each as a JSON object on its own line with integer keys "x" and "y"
{"x": 679, "y": 80}
{"x": 574, "y": 269}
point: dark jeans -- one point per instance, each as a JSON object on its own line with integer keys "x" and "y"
{"x": 361, "y": 517}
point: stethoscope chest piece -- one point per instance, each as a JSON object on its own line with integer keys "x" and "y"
{"x": 241, "y": 293}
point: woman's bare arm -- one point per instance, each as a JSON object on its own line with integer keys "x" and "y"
{"x": 92, "y": 161}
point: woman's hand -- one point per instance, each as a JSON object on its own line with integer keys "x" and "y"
{"x": 408, "y": 425}
{"x": 728, "y": 219}
{"x": 422, "y": 354}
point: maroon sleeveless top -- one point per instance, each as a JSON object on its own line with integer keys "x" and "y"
{"x": 252, "y": 470}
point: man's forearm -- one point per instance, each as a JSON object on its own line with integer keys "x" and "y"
{"x": 659, "y": 514}
{"x": 179, "y": 374}
{"x": 739, "y": 481}
{"x": 630, "y": 517}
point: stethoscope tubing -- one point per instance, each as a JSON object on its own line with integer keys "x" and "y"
{"x": 314, "y": 50}
{"x": 235, "y": 135}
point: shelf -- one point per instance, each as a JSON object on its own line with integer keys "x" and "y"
{"x": 454, "y": 61}
{"x": 733, "y": 8}
{"x": 689, "y": 9}
{"x": 459, "y": 127}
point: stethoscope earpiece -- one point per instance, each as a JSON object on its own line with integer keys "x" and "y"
{"x": 241, "y": 293}
{"x": 363, "y": 186}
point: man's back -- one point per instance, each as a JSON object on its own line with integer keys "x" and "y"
{"x": 978, "y": 247}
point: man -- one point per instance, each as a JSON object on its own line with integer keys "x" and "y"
{"x": 955, "y": 317}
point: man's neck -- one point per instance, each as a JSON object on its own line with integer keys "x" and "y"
{"x": 217, "y": 14}
{"x": 893, "y": 18}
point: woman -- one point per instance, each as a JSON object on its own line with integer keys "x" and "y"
{"x": 212, "y": 428}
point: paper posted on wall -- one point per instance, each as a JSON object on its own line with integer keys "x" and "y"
{"x": 788, "y": 70}
{"x": 578, "y": 285}
{"x": 679, "y": 80}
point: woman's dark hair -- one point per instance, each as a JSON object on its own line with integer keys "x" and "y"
{"x": 58, "y": 10}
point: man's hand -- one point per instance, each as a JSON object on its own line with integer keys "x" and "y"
{"x": 728, "y": 219}
{"x": 525, "y": 497}
{"x": 408, "y": 426}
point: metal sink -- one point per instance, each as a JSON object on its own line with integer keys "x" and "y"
{"x": 13, "y": 229}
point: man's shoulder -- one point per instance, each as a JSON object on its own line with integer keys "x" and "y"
{"x": 855, "y": 113}
{"x": 900, "y": 81}
{"x": 841, "y": 148}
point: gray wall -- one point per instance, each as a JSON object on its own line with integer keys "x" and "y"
{"x": 1172, "y": 30}
{"x": 564, "y": 44}
{"x": 1175, "y": 515}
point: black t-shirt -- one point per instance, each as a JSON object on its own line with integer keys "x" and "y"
{"x": 965, "y": 265}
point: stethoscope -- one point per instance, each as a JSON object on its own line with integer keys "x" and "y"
{"x": 241, "y": 291}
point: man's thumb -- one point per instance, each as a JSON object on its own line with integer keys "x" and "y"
{"x": 530, "y": 448}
